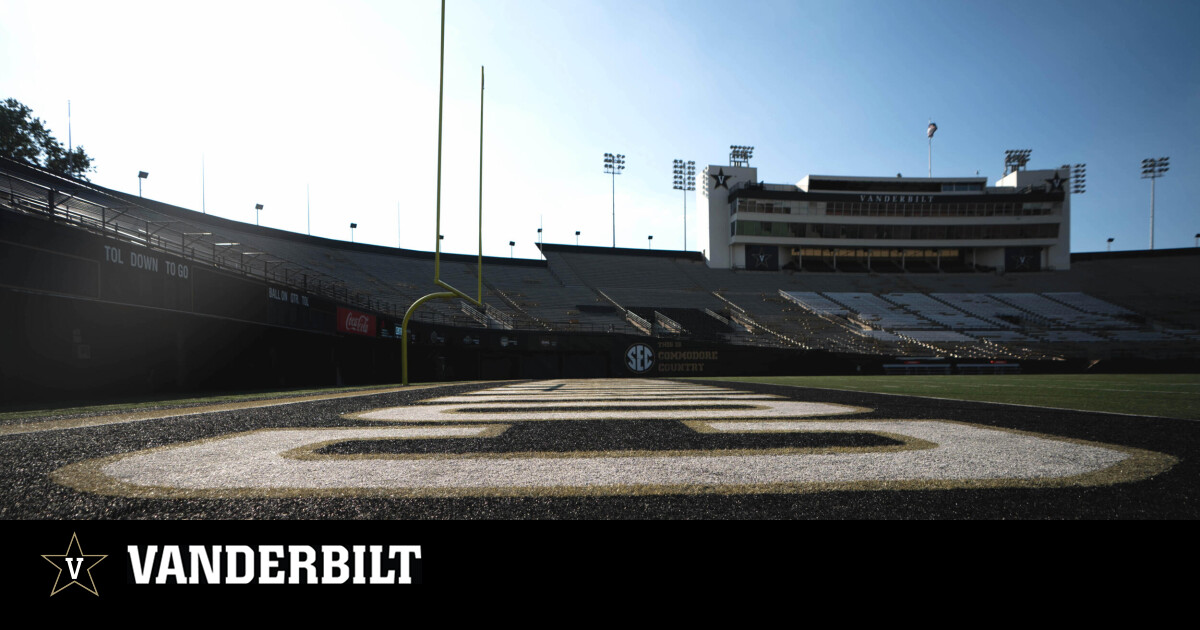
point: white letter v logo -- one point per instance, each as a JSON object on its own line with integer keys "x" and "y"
{"x": 74, "y": 567}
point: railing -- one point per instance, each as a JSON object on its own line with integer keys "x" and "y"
{"x": 639, "y": 322}
{"x": 719, "y": 317}
{"x": 195, "y": 243}
{"x": 634, "y": 319}
{"x": 668, "y": 323}
{"x": 500, "y": 317}
{"x": 504, "y": 297}
{"x": 473, "y": 313}
{"x": 837, "y": 321}
{"x": 433, "y": 317}
{"x": 739, "y": 315}
{"x": 615, "y": 303}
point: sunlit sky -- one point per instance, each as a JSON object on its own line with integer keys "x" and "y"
{"x": 265, "y": 99}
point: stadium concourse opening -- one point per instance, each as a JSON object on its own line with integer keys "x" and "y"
{"x": 105, "y": 294}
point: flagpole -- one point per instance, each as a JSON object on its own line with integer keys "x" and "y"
{"x": 929, "y": 131}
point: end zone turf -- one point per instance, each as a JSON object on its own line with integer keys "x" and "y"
{"x": 611, "y": 449}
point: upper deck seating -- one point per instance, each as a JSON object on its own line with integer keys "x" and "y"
{"x": 988, "y": 309}
{"x": 879, "y": 313}
{"x": 937, "y": 311}
{"x": 1059, "y": 314}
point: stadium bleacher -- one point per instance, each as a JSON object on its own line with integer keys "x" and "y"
{"x": 1100, "y": 305}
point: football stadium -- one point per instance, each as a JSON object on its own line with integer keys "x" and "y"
{"x": 110, "y": 294}
{"x": 562, "y": 394}
{"x": 846, "y": 346}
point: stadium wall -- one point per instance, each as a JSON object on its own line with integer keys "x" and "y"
{"x": 61, "y": 347}
{"x": 84, "y": 316}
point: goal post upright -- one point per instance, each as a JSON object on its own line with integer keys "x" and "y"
{"x": 450, "y": 292}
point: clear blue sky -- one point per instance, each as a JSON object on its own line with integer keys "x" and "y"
{"x": 342, "y": 97}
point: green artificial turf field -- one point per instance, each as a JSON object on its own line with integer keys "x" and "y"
{"x": 1166, "y": 395}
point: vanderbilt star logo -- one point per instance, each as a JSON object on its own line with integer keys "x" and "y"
{"x": 720, "y": 178}
{"x": 76, "y": 564}
{"x": 1056, "y": 182}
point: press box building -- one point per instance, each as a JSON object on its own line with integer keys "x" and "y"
{"x": 900, "y": 224}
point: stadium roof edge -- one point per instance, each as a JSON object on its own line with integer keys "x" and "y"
{"x": 620, "y": 251}
{"x": 1136, "y": 253}
{"x": 216, "y": 221}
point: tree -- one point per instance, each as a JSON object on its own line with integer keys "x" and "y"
{"x": 25, "y": 138}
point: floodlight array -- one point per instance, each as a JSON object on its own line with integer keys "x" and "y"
{"x": 613, "y": 164}
{"x": 1079, "y": 179}
{"x": 1153, "y": 168}
{"x": 685, "y": 175}
{"x": 1016, "y": 159}
{"x": 1078, "y": 176}
{"x": 739, "y": 155}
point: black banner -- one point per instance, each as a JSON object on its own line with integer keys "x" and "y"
{"x": 762, "y": 257}
{"x": 1022, "y": 259}
{"x": 128, "y": 566}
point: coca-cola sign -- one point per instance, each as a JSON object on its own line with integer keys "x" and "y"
{"x": 349, "y": 321}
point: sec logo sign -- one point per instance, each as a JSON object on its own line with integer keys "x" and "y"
{"x": 639, "y": 358}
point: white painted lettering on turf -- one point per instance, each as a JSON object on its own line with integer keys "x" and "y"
{"x": 259, "y": 461}
{"x": 604, "y": 400}
{"x": 287, "y": 462}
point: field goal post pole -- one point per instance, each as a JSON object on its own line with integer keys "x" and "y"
{"x": 437, "y": 237}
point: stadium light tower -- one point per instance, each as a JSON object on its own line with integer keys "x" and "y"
{"x": 1152, "y": 169}
{"x": 257, "y": 213}
{"x": 740, "y": 154}
{"x": 1016, "y": 159}
{"x": 1078, "y": 179}
{"x": 141, "y": 175}
{"x": 1110, "y": 240}
{"x": 510, "y": 248}
{"x": 613, "y": 165}
{"x": 352, "y": 226}
{"x": 685, "y": 180}
{"x": 576, "y": 238}
{"x": 650, "y": 242}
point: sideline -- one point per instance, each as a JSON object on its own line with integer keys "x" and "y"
{"x": 158, "y": 414}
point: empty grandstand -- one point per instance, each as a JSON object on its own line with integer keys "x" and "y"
{"x": 111, "y": 292}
